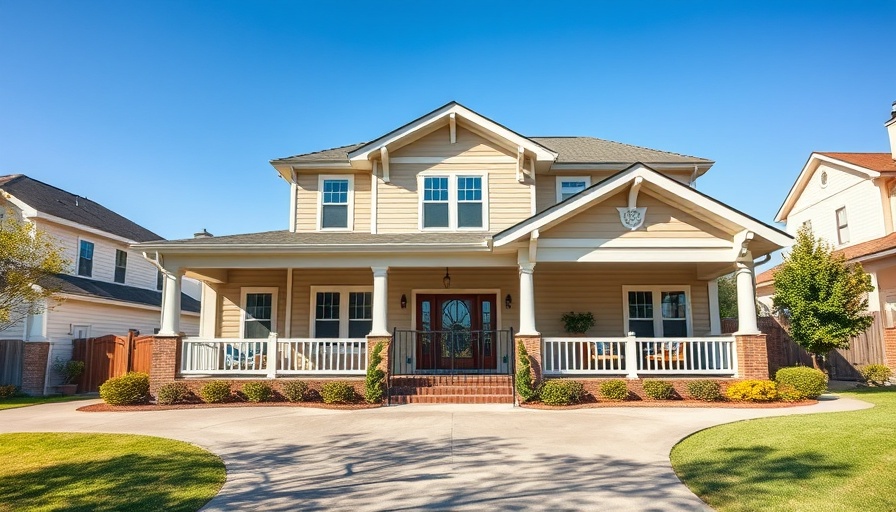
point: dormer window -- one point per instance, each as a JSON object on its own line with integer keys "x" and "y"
{"x": 454, "y": 202}
{"x": 336, "y": 202}
{"x": 568, "y": 186}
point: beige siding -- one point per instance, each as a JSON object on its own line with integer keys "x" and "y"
{"x": 662, "y": 220}
{"x": 230, "y": 298}
{"x": 307, "y": 199}
{"x": 106, "y": 319}
{"x": 546, "y": 189}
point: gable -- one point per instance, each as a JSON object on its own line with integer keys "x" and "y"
{"x": 838, "y": 179}
{"x": 468, "y": 144}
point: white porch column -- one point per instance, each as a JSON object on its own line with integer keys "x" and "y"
{"x": 380, "y": 301}
{"x": 527, "y": 300}
{"x": 208, "y": 310}
{"x": 746, "y": 298}
{"x": 170, "y": 302}
{"x": 715, "y": 320}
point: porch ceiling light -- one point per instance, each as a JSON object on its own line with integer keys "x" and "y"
{"x": 508, "y": 301}
{"x": 404, "y": 301}
{"x": 447, "y": 279}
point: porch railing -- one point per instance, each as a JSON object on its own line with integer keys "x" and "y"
{"x": 631, "y": 356}
{"x": 292, "y": 356}
{"x": 451, "y": 352}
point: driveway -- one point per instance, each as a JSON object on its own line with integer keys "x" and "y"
{"x": 429, "y": 457}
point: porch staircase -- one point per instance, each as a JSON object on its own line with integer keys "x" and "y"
{"x": 450, "y": 389}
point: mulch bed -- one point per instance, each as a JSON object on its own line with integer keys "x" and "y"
{"x": 672, "y": 403}
{"x": 155, "y": 407}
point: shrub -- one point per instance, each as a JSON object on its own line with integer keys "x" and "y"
{"x": 658, "y": 389}
{"x": 68, "y": 371}
{"x": 706, "y": 390}
{"x": 258, "y": 391}
{"x": 524, "y": 385}
{"x": 752, "y": 391}
{"x": 562, "y": 392}
{"x": 129, "y": 389}
{"x": 876, "y": 374}
{"x": 788, "y": 393}
{"x": 172, "y": 393}
{"x": 808, "y": 381}
{"x": 577, "y": 322}
{"x": 8, "y": 391}
{"x": 616, "y": 390}
{"x": 214, "y": 392}
{"x": 373, "y": 385}
{"x": 337, "y": 392}
{"x": 295, "y": 390}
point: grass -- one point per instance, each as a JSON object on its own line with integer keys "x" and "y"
{"x": 25, "y": 401}
{"x": 838, "y": 461}
{"x": 104, "y": 472}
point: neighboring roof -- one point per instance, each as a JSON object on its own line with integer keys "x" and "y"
{"x": 880, "y": 162}
{"x": 57, "y": 202}
{"x": 593, "y": 150}
{"x": 81, "y": 286}
{"x": 767, "y": 276}
{"x": 869, "y": 248}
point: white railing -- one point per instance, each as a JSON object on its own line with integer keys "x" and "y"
{"x": 233, "y": 356}
{"x": 322, "y": 356}
{"x": 631, "y": 356}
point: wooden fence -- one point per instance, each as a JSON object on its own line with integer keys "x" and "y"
{"x": 12, "y": 354}
{"x": 111, "y": 356}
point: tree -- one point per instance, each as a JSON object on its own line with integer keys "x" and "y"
{"x": 825, "y": 297}
{"x": 28, "y": 258}
{"x": 727, "y": 297}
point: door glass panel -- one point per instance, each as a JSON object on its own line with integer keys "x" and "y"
{"x": 457, "y": 319}
{"x": 486, "y": 338}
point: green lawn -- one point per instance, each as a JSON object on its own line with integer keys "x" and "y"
{"x": 839, "y": 461}
{"x": 25, "y": 401}
{"x": 104, "y": 472}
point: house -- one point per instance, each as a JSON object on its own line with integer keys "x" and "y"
{"x": 452, "y": 237}
{"x": 110, "y": 288}
{"x": 849, "y": 200}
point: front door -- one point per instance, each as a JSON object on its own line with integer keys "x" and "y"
{"x": 457, "y": 332}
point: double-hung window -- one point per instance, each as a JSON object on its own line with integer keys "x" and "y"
{"x": 454, "y": 202}
{"x": 842, "y": 226}
{"x": 568, "y": 186}
{"x": 658, "y": 312}
{"x": 121, "y": 265}
{"x": 342, "y": 312}
{"x": 259, "y": 312}
{"x": 336, "y": 202}
{"x": 85, "y": 259}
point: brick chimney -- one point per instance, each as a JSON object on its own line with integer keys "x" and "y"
{"x": 891, "y": 129}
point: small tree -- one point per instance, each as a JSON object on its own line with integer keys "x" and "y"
{"x": 524, "y": 385}
{"x": 727, "y": 297}
{"x": 28, "y": 257}
{"x": 373, "y": 385}
{"x": 824, "y": 297}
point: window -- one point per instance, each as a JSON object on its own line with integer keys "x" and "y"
{"x": 259, "y": 312}
{"x": 159, "y": 279}
{"x": 85, "y": 259}
{"x": 842, "y": 226}
{"x": 454, "y": 202}
{"x": 658, "y": 312}
{"x": 336, "y": 202}
{"x": 343, "y": 312}
{"x": 568, "y": 186}
{"x": 121, "y": 265}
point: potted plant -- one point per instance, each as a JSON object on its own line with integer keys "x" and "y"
{"x": 577, "y": 323}
{"x": 69, "y": 371}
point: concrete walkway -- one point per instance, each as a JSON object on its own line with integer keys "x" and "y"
{"x": 429, "y": 457}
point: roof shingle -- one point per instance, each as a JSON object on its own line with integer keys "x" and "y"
{"x": 880, "y": 162}
{"x": 84, "y": 287}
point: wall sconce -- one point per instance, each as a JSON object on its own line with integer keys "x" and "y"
{"x": 508, "y": 301}
{"x": 447, "y": 279}
{"x": 404, "y": 301}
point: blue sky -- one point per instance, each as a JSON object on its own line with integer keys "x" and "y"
{"x": 168, "y": 111}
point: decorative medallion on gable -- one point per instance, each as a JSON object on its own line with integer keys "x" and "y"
{"x": 632, "y": 217}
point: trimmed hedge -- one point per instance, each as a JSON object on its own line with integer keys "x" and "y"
{"x": 129, "y": 389}
{"x": 788, "y": 393}
{"x": 876, "y": 374}
{"x": 258, "y": 392}
{"x": 753, "y": 391}
{"x": 658, "y": 389}
{"x": 338, "y": 392}
{"x": 295, "y": 390}
{"x": 809, "y": 382}
{"x": 706, "y": 390}
{"x": 562, "y": 392}
{"x": 172, "y": 393}
{"x": 615, "y": 390}
{"x": 7, "y": 391}
{"x": 214, "y": 392}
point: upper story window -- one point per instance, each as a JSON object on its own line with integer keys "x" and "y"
{"x": 454, "y": 202}
{"x": 336, "y": 202}
{"x": 85, "y": 259}
{"x": 842, "y": 226}
{"x": 121, "y": 265}
{"x": 568, "y": 186}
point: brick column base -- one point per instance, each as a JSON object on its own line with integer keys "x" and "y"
{"x": 890, "y": 347}
{"x": 165, "y": 362}
{"x": 752, "y": 356}
{"x": 533, "y": 347}
{"x": 372, "y": 341}
{"x": 34, "y": 366}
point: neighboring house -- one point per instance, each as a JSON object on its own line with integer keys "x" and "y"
{"x": 451, "y": 236}
{"x": 849, "y": 200}
{"x": 110, "y": 288}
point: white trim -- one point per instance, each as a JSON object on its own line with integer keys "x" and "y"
{"x": 499, "y": 300}
{"x": 462, "y": 159}
{"x": 452, "y": 199}
{"x": 287, "y": 321}
{"x": 350, "y": 198}
{"x": 631, "y": 243}
{"x": 715, "y": 320}
{"x": 293, "y": 201}
{"x": 120, "y": 303}
{"x": 343, "y": 306}
{"x": 657, "y": 290}
{"x": 93, "y": 231}
{"x": 560, "y": 179}
{"x": 374, "y": 195}
{"x": 273, "y": 290}
{"x": 634, "y": 255}
{"x": 92, "y": 259}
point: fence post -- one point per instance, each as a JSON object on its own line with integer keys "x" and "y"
{"x": 272, "y": 355}
{"x": 631, "y": 356}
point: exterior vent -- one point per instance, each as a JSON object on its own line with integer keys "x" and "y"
{"x": 203, "y": 234}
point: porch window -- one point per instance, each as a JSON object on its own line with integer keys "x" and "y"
{"x": 121, "y": 264}
{"x": 342, "y": 312}
{"x": 658, "y": 312}
{"x": 435, "y": 202}
{"x": 469, "y": 201}
{"x": 335, "y": 202}
{"x": 842, "y": 226}
{"x": 568, "y": 186}
{"x": 360, "y": 314}
{"x": 259, "y": 312}
{"x": 85, "y": 259}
